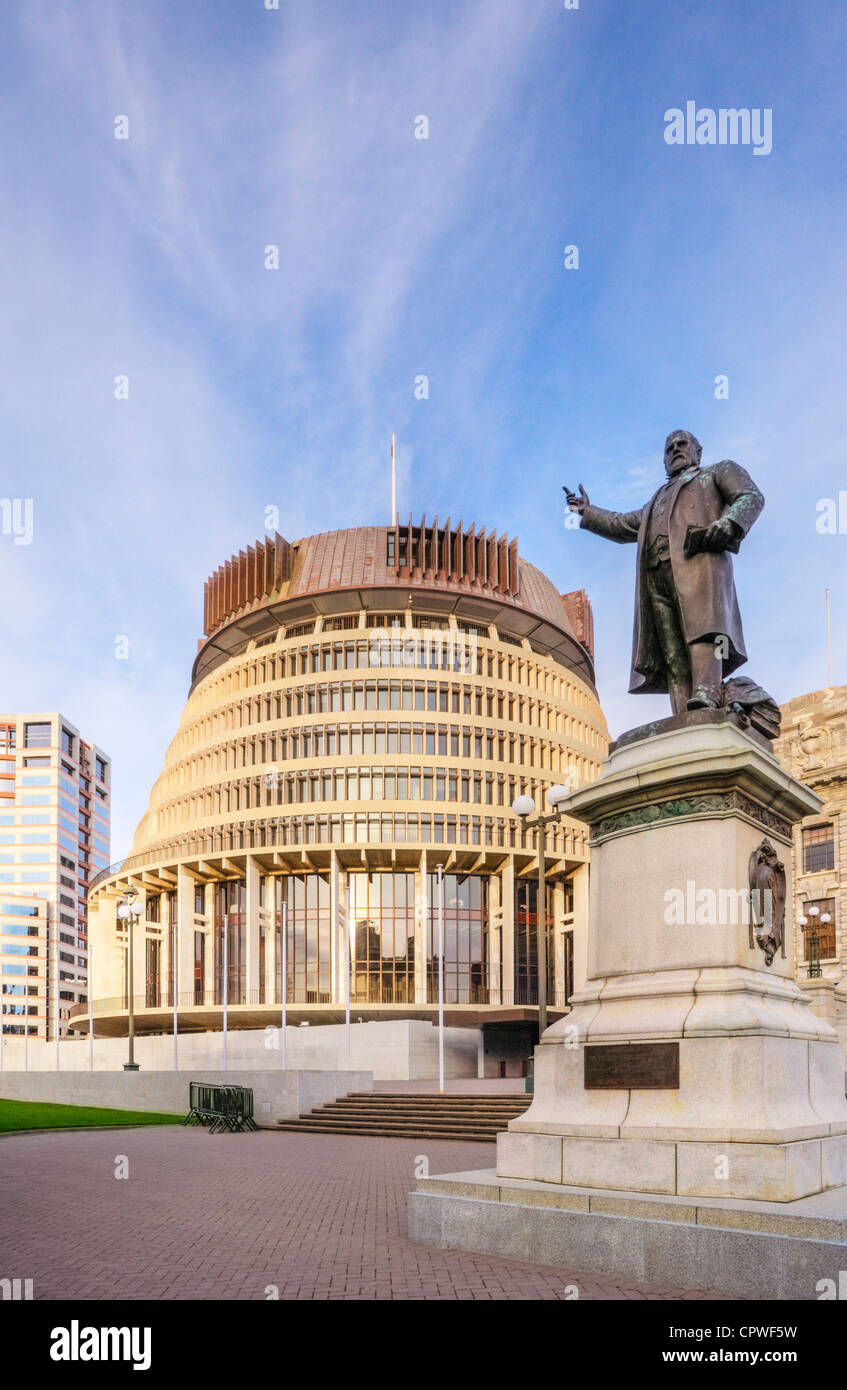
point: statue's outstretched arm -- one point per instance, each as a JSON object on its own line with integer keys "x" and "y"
{"x": 614, "y": 526}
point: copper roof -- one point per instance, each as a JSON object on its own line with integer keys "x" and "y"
{"x": 438, "y": 557}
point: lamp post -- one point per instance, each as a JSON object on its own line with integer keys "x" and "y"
{"x": 284, "y": 972}
{"x": 129, "y": 911}
{"x": 523, "y": 806}
{"x": 814, "y": 944}
{"x": 441, "y": 978}
{"x": 89, "y": 982}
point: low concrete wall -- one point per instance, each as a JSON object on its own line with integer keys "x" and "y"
{"x": 280, "y": 1095}
{"x": 745, "y": 1264}
{"x": 392, "y": 1049}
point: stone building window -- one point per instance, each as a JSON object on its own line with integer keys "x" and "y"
{"x": 825, "y": 931}
{"x": 818, "y": 849}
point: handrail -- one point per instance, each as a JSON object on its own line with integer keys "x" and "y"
{"x": 213, "y": 999}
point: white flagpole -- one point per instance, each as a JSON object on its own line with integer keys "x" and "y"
{"x": 56, "y": 933}
{"x": 347, "y": 972}
{"x": 90, "y": 1013}
{"x": 284, "y": 978}
{"x": 441, "y": 977}
{"x": 393, "y": 480}
{"x": 226, "y": 984}
{"x": 828, "y": 639}
{"x": 174, "y": 982}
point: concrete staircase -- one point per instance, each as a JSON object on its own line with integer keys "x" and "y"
{"x": 402, "y": 1115}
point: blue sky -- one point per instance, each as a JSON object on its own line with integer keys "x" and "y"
{"x": 251, "y": 388}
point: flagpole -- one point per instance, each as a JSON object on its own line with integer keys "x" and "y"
{"x": 347, "y": 972}
{"x": 174, "y": 982}
{"x": 284, "y": 978}
{"x": 828, "y": 639}
{"x": 90, "y": 1008}
{"x": 226, "y": 990}
{"x": 393, "y": 480}
{"x": 441, "y": 977}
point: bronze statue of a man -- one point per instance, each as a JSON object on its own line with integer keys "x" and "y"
{"x": 687, "y": 624}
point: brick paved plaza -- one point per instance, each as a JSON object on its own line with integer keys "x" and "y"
{"x": 223, "y": 1217}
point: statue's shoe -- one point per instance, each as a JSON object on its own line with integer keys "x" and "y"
{"x": 702, "y": 699}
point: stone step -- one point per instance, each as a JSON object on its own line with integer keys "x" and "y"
{"x": 434, "y": 1105}
{"x": 410, "y": 1122}
{"x": 492, "y": 1098}
{"x": 350, "y": 1113}
{"x": 405, "y": 1115}
{"x": 494, "y": 1111}
{"x": 377, "y": 1131}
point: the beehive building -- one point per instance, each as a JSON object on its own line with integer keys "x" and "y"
{"x": 365, "y": 706}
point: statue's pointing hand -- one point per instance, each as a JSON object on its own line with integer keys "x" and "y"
{"x": 577, "y": 503}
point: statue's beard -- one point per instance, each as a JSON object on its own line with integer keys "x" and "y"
{"x": 677, "y": 465}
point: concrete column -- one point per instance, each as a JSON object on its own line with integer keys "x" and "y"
{"x": 507, "y": 947}
{"x": 580, "y": 926}
{"x": 185, "y": 886}
{"x": 337, "y": 886}
{"x": 273, "y": 961}
{"x": 558, "y": 944}
{"x": 421, "y": 923}
{"x": 106, "y": 959}
{"x": 495, "y": 932}
{"x": 251, "y": 895}
{"x": 139, "y": 937}
{"x": 209, "y": 983}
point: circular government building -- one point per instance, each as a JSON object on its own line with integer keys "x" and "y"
{"x": 365, "y": 707}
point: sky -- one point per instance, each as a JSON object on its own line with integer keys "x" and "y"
{"x": 398, "y": 258}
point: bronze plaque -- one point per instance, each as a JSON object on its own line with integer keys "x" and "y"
{"x": 632, "y": 1067}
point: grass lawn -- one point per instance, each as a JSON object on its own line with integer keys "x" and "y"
{"x": 27, "y": 1114}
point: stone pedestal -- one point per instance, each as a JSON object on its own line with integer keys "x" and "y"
{"x": 688, "y": 1066}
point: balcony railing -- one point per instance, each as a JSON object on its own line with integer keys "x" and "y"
{"x": 213, "y": 999}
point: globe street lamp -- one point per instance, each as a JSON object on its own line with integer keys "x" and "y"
{"x": 523, "y": 807}
{"x": 814, "y": 944}
{"x": 129, "y": 911}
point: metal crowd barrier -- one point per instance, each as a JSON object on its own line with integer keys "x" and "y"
{"x": 220, "y": 1107}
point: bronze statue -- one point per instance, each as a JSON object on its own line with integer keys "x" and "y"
{"x": 688, "y": 634}
{"x": 766, "y": 876}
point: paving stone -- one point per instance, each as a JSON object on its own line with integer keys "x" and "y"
{"x": 321, "y": 1217}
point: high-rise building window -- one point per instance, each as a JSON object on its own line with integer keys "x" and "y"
{"x": 37, "y": 735}
{"x": 100, "y": 769}
{"x": 68, "y": 742}
{"x": 818, "y": 849}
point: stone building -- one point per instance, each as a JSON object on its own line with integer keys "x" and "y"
{"x": 813, "y": 746}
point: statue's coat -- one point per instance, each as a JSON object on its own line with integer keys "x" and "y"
{"x": 704, "y": 583}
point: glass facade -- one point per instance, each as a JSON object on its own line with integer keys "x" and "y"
{"x": 465, "y": 939}
{"x": 382, "y": 913}
{"x": 308, "y": 960}
{"x": 526, "y": 942}
{"x": 231, "y": 913}
{"x": 382, "y": 942}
